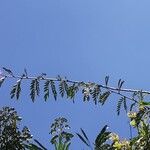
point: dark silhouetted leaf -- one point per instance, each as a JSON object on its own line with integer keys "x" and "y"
{"x": 120, "y": 83}
{"x": 83, "y": 140}
{"x": 102, "y": 137}
{"x": 15, "y": 92}
{"x": 53, "y": 140}
{"x": 34, "y": 89}
{"x": 32, "y": 146}
{"x": 125, "y": 104}
{"x": 63, "y": 87}
{"x": 132, "y": 105}
{"x": 53, "y": 89}
{"x": 84, "y": 134}
{"x": 8, "y": 71}
{"x": 95, "y": 93}
{"x": 106, "y": 80}
{"x": 43, "y": 148}
{"x": 122, "y": 100}
{"x": 25, "y": 72}
{"x": 46, "y": 89}
{"x": 119, "y": 106}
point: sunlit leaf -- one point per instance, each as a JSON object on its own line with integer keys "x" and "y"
{"x": 145, "y": 103}
{"x": 2, "y": 80}
{"x": 103, "y": 97}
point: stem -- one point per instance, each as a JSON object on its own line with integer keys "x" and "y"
{"x": 73, "y": 81}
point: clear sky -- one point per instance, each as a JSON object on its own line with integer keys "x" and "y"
{"x": 82, "y": 40}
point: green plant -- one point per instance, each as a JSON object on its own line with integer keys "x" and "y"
{"x": 11, "y": 137}
{"x": 61, "y": 138}
{"x": 133, "y": 101}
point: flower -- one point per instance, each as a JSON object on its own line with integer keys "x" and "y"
{"x": 132, "y": 115}
{"x": 114, "y": 137}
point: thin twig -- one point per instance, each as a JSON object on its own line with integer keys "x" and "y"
{"x": 132, "y": 99}
{"x": 73, "y": 81}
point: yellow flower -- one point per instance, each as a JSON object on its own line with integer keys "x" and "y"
{"x": 132, "y": 115}
{"x": 114, "y": 137}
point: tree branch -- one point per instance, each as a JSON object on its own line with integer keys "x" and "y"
{"x": 73, "y": 81}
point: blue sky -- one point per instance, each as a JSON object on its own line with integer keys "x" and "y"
{"x": 82, "y": 40}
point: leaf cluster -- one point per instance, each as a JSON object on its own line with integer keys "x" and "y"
{"x": 61, "y": 138}
{"x": 10, "y": 135}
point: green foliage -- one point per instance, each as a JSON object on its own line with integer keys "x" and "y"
{"x": 71, "y": 91}
{"x": 100, "y": 141}
{"x": 120, "y": 102}
{"x": 61, "y": 138}
{"x": 53, "y": 87}
{"x": 95, "y": 93}
{"x": 119, "y": 106}
{"x": 83, "y": 137}
{"x": 139, "y": 120}
{"x": 63, "y": 87}
{"x": 138, "y": 114}
{"x": 34, "y": 89}
{"x": 103, "y": 97}
{"x": 102, "y": 137}
{"x": 15, "y": 92}
{"x": 120, "y": 84}
{"x": 11, "y": 137}
{"x": 35, "y": 145}
{"x": 46, "y": 90}
{"x": 8, "y": 71}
